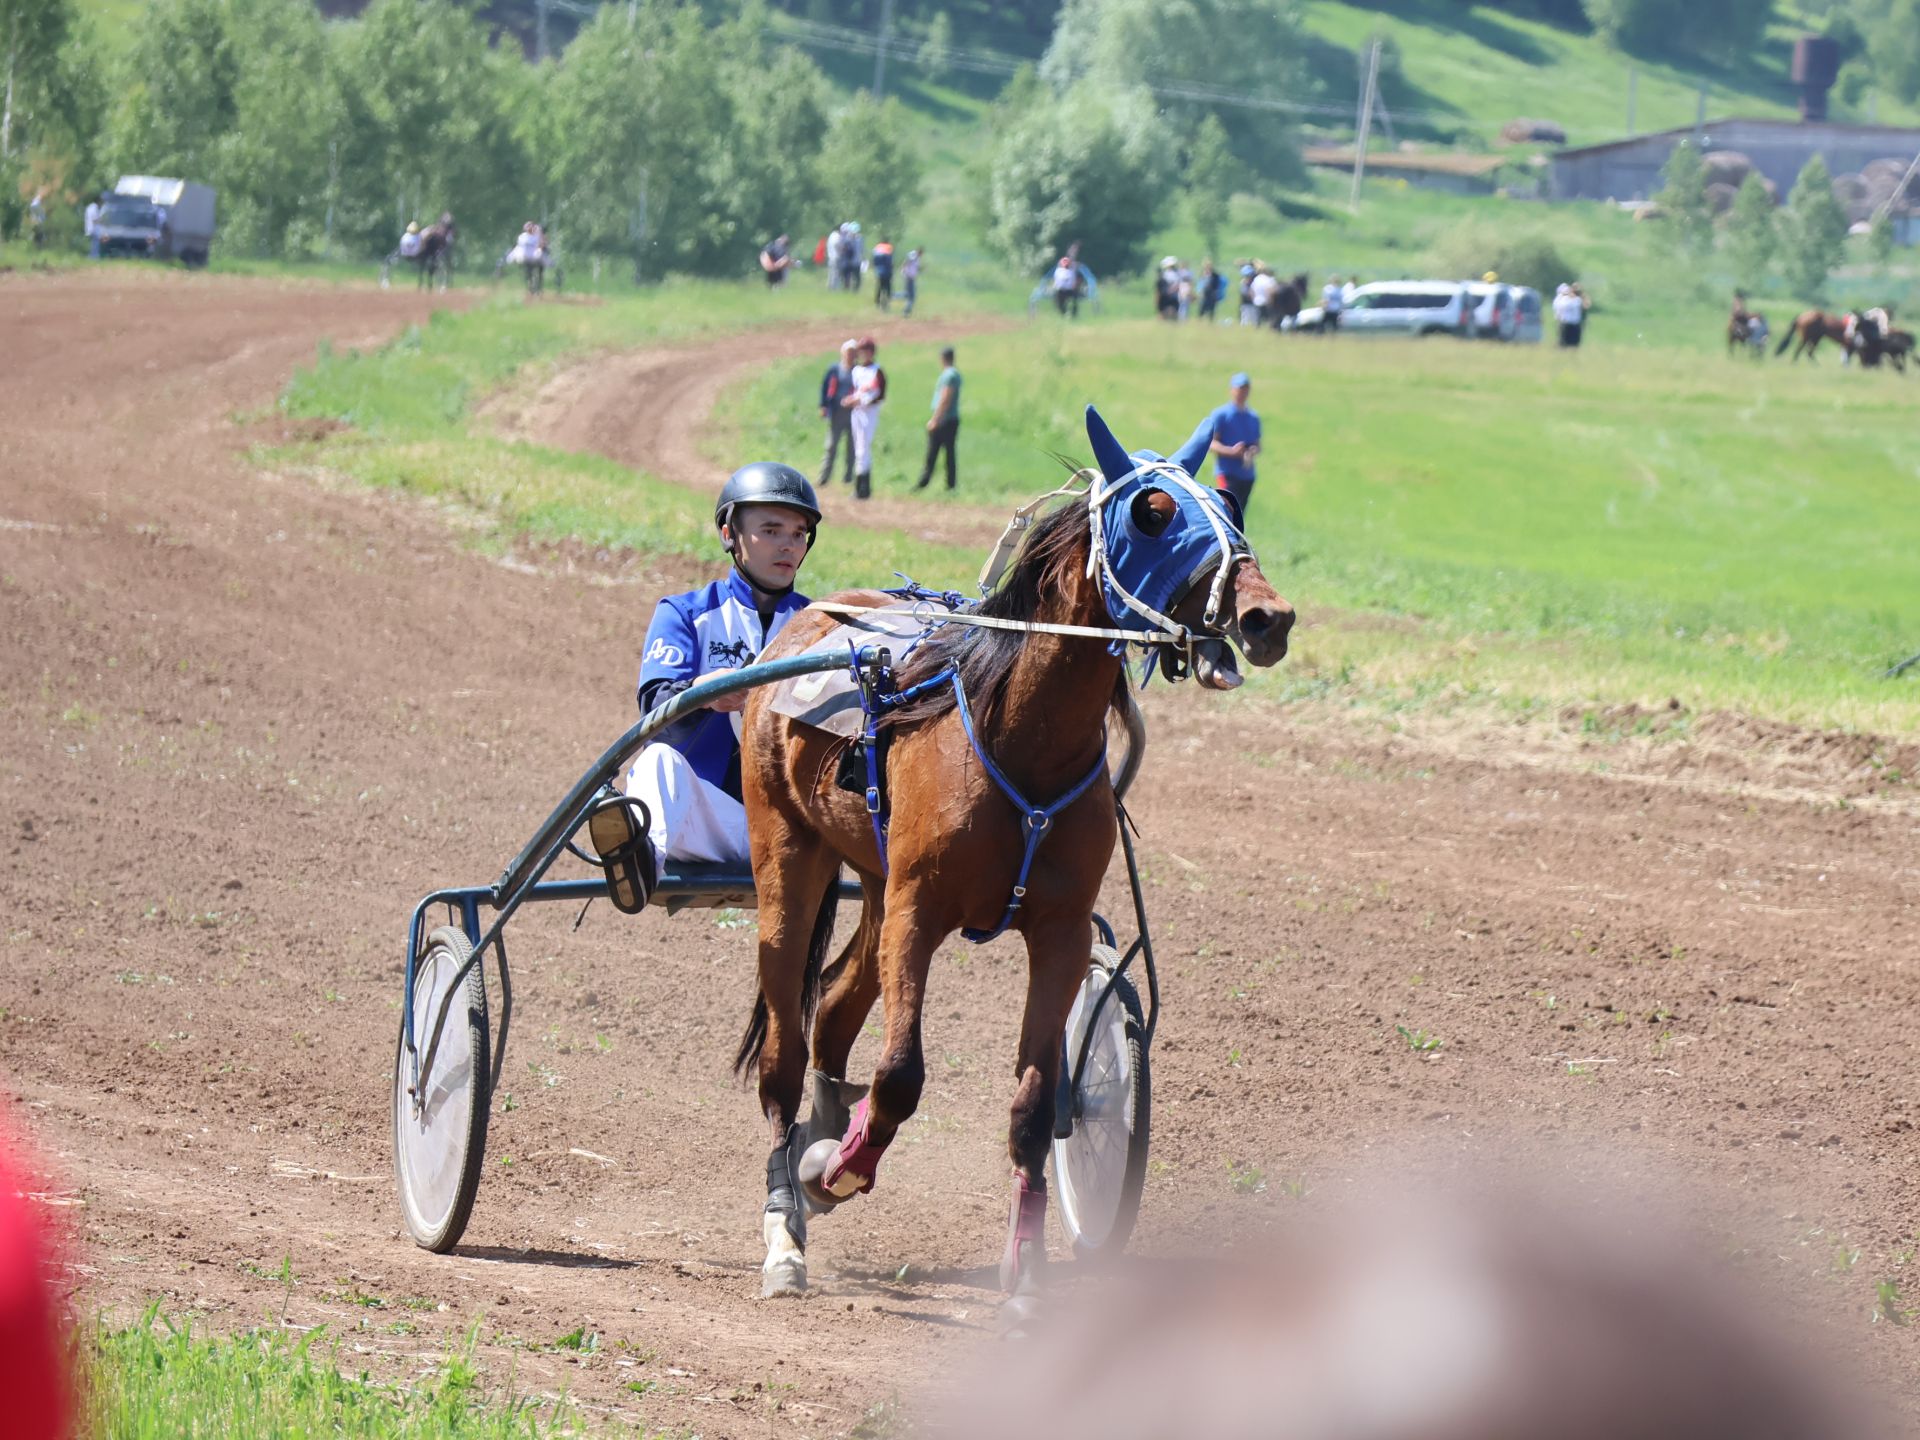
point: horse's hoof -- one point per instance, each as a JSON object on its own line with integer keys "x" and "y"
{"x": 785, "y": 1270}
{"x": 812, "y": 1170}
{"x": 783, "y": 1277}
{"x": 1019, "y": 1316}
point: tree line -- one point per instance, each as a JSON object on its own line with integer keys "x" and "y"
{"x": 1803, "y": 241}
{"x": 657, "y": 135}
{"x": 674, "y": 133}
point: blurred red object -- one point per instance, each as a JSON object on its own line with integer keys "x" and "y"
{"x": 34, "y": 1353}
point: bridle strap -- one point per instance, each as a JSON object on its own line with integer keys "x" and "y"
{"x": 924, "y": 613}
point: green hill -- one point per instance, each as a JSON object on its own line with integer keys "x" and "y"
{"x": 1466, "y": 69}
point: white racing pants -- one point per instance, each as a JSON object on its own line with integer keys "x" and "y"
{"x": 691, "y": 820}
{"x": 864, "y": 420}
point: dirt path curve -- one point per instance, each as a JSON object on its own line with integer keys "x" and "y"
{"x": 248, "y": 719}
{"x": 652, "y": 408}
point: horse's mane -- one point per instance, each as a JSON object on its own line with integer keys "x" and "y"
{"x": 983, "y": 656}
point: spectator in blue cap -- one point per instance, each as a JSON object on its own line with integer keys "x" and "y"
{"x": 1236, "y": 440}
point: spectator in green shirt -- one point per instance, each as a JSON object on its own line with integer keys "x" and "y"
{"x": 944, "y": 427}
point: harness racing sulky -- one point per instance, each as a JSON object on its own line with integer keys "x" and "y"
{"x": 429, "y": 251}
{"x": 954, "y": 756}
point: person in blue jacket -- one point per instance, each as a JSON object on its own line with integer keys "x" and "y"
{"x": 688, "y": 779}
{"x": 1236, "y": 440}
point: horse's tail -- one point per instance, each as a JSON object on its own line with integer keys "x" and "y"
{"x": 755, "y": 1038}
{"x": 1787, "y": 339}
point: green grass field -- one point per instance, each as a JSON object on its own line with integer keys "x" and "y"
{"x": 1632, "y": 523}
{"x": 159, "y": 1380}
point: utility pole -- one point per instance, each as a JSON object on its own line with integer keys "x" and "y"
{"x": 1386, "y": 120}
{"x": 540, "y": 29}
{"x": 1365, "y": 126}
{"x": 1898, "y": 190}
{"x": 1633, "y": 96}
{"x": 1700, "y": 119}
{"x": 880, "y": 51}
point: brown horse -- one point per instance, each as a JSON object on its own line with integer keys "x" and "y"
{"x": 1810, "y": 327}
{"x": 436, "y": 253}
{"x": 1023, "y": 711}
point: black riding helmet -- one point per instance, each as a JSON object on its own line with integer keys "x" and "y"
{"x": 768, "y": 482}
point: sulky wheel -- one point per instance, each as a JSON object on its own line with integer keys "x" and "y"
{"x": 1099, "y": 1169}
{"x": 438, "y": 1149}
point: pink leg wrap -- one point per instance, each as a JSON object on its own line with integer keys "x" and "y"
{"x": 1027, "y": 1224}
{"x": 858, "y": 1155}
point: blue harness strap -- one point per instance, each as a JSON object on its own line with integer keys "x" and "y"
{"x": 1036, "y": 821}
{"x": 874, "y": 703}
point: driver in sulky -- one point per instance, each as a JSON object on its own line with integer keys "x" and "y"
{"x": 687, "y": 781}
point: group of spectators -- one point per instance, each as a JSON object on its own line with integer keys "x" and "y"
{"x": 842, "y": 254}
{"x": 1177, "y": 290}
{"x": 852, "y": 392}
{"x": 1266, "y": 299}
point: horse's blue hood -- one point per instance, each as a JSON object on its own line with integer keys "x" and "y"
{"x": 1158, "y": 570}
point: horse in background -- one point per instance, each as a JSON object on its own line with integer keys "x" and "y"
{"x": 1861, "y": 333}
{"x": 1808, "y": 329}
{"x": 1747, "y": 329}
{"x": 988, "y": 717}
{"x": 436, "y": 253}
{"x": 1289, "y": 300}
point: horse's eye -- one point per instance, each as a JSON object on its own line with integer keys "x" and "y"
{"x": 1152, "y": 512}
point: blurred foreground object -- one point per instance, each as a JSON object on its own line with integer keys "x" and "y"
{"x": 35, "y": 1390}
{"x": 1514, "y": 1319}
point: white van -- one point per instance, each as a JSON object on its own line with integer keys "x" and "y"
{"x": 1402, "y": 307}
{"x": 1505, "y": 312}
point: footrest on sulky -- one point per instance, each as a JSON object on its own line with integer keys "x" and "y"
{"x": 617, "y": 825}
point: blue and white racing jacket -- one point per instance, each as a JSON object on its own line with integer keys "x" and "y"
{"x": 692, "y": 636}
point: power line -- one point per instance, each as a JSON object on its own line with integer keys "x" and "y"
{"x": 849, "y": 40}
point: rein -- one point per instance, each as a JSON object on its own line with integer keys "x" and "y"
{"x": 924, "y": 613}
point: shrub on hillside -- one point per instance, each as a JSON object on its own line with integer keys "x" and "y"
{"x": 1189, "y": 51}
{"x": 1719, "y": 29}
{"x": 1092, "y": 166}
{"x": 1473, "y": 247}
{"x": 1812, "y": 229}
{"x": 1752, "y": 240}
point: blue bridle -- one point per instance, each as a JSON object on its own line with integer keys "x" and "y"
{"x": 1142, "y": 576}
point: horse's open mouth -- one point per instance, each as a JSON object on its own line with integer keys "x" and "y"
{"x": 1215, "y": 664}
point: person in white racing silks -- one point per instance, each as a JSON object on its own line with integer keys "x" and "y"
{"x": 687, "y": 781}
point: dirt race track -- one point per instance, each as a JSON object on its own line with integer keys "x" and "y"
{"x": 248, "y": 719}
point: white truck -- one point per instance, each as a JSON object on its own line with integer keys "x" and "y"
{"x": 159, "y": 218}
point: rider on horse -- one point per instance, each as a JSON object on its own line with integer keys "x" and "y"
{"x": 688, "y": 781}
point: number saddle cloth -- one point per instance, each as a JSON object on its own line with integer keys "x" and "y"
{"x": 830, "y": 699}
